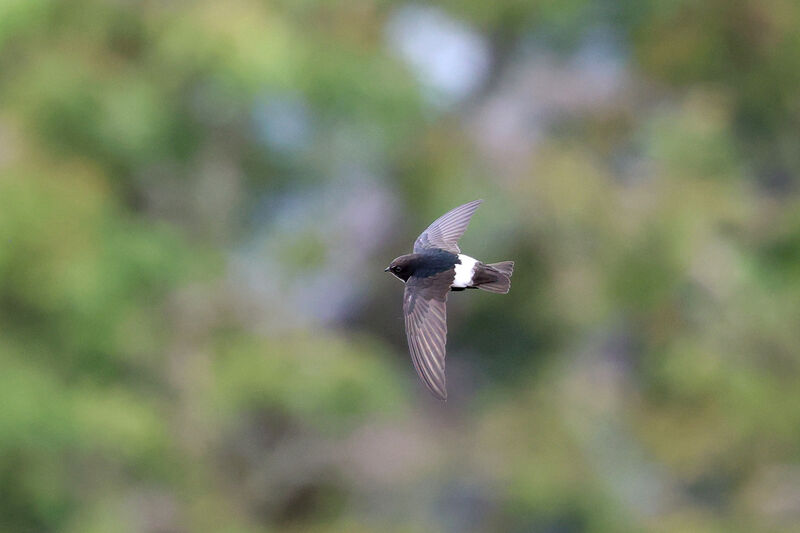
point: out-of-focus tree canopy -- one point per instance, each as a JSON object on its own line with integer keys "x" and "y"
{"x": 197, "y": 200}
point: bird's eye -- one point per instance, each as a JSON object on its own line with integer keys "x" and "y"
{"x": 396, "y": 269}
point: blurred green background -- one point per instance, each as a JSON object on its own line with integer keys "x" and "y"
{"x": 197, "y": 201}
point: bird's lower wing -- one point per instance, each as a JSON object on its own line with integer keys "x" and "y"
{"x": 425, "y": 310}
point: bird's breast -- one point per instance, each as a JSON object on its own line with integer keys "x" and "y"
{"x": 464, "y": 271}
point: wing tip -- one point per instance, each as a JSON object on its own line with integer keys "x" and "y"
{"x": 441, "y": 396}
{"x": 473, "y": 203}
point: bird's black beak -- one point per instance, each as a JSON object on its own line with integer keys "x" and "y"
{"x": 386, "y": 269}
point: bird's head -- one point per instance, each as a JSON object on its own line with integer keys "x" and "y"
{"x": 402, "y": 267}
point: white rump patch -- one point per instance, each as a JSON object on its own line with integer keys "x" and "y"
{"x": 464, "y": 271}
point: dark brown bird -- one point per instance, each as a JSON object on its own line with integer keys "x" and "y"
{"x": 437, "y": 267}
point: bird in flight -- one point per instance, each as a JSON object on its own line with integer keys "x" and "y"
{"x": 437, "y": 267}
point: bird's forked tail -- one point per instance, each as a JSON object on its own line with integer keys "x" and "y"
{"x": 498, "y": 277}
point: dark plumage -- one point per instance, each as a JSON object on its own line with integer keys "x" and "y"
{"x": 436, "y": 267}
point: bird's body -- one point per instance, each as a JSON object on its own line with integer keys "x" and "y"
{"x": 437, "y": 267}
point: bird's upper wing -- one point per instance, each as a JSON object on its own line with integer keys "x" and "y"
{"x": 425, "y": 310}
{"x": 447, "y": 229}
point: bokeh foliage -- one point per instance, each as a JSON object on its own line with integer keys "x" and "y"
{"x": 197, "y": 200}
